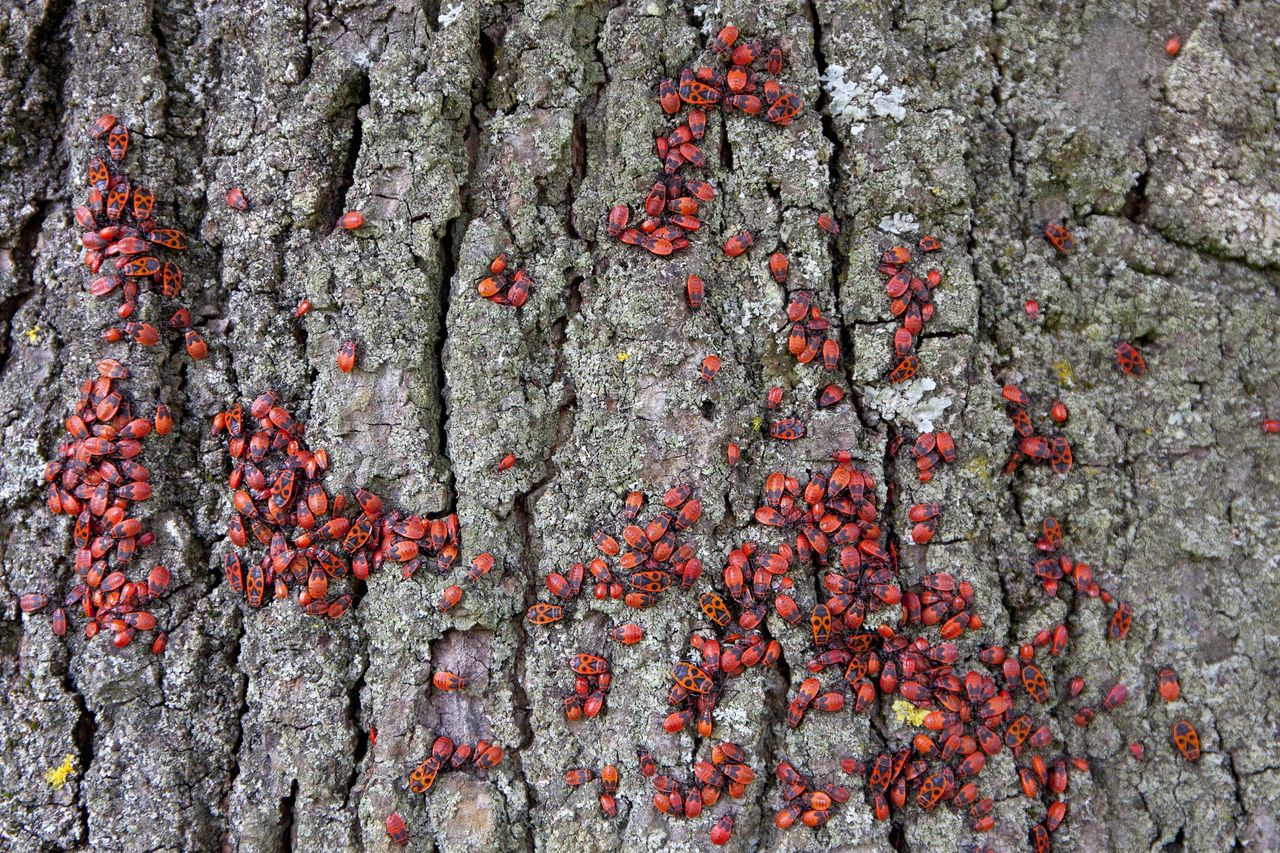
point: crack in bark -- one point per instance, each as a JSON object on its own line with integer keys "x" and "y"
{"x": 24, "y": 274}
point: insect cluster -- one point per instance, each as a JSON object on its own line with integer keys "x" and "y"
{"x": 809, "y": 336}
{"x": 608, "y": 776}
{"x": 671, "y": 207}
{"x": 653, "y": 558}
{"x": 480, "y": 758}
{"x": 1029, "y": 446}
{"x": 591, "y": 683}
{"x": 119, "y": 228}
{"x": 875, "y": 637}
{"x": 97, "y": 479}
{"x": 912, "y": 302}
{"x": 929, "y": 450}
{"x": 279, "y": 500}
{"x": 804, "y": 799}
{"x": 503, "y": 288}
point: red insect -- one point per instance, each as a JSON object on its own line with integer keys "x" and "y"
{"x": 118, "y": 141}
{"x": 1173, "y": 46}
{"x": 144, "y": 201}
{"x": 102, "y": 125}
{"x": 710, "y": 368}
{"x": 1121, "y": 621}
{"x": 237, "y": 201}
{"x": 578, "y": 776}
{"x": 543, "y": 613}
{"x": 906, "y": 369}
{"x": 351, "y": 220}
{"x": 722, "y": 830}
{"x": 507, "y": 462}
{"x": 1271, "y": 425}
{"x": 347, "y": 356}
{"x": 1036, "y": 686}
{"x": 619, "y": 215}
{"x": 830, "y": 396}
{"x": 1130, "y": 359}
{"x": 723, "y": 40}
{"x": 397, "y": 829}
{"x": 787, "y": 429}
{"x": 929, "y": 244}
{"x": 1169, "y": 687}
{"x": 1016, "y": 395}
{"x": 668, "y": 96}
{"x": 785, "y": 109}
{"x": 774, "y": 65}
{"x": 739, "y": 243}
{"x": 778, "y": 267}
{"x": 1060, "y": 238}
{"x": 195, "y": 345}
{"x": 1115, "y": 697}
{"x": 732, "y": 453}
{"x": 628, "y": 634}
{"x": 32, "y": 601}
{"x": 448, "y": 681}
{"x": 714, "y": 608}
{"x": 828, "y": 223}
{"x": 1187, "y": 740}
{"x": 695, "y": 291}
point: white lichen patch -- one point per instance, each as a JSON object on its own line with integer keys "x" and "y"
{"x": 899, "y": 223}
{"x": 908, "y": 401}
{"x": 856, "y": 101}
{"x": 448, "y": 16}
{"x": 708, "y": 13}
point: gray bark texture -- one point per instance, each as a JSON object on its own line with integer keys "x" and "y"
{"x": 456, "y": 127}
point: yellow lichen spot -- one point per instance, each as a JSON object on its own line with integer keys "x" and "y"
{"x": 1062, "y": 367}
{"x": 979, "y": 466}
{"x": 757, "y": 422}
{"x": 908, "y": 713}
{"x": 33, "y": 334}
{"x": 57, "y": 776}
{"x": 623, "y": 356}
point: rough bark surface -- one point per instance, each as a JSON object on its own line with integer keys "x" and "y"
{"x": 457, "y": 126}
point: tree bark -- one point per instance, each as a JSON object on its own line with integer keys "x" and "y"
{"x": 456, "y": 127}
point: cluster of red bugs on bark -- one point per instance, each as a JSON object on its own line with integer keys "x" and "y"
{"x": 480, "y": 757}
{"x": 1057, "y": 571}
{"x": 672, "y": 204}
{"x": 833, "y": 522}
{"x": 280, "y": 502}
{"x": 119, "y": 228}
{"x": 592, "y": 679}
{"x": 502, "y": 287}
{"x": 96, "y": 478}
{"x": 912, "y": 301}
{"x": 804, "y": 799}
{"x": 727, "y": 773}
{"x": 608, "y": 777}
{"x": 809, "y": 337}
{"x": 929, "y": 450}
{"x": 1053, "y": 450}
{"x": 653, "y": 558}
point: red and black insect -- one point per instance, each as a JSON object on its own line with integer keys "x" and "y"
{"x": 1186, "y": 740}
{"x": 1130, "y": 359}
{"x": 1060, "y": 238}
